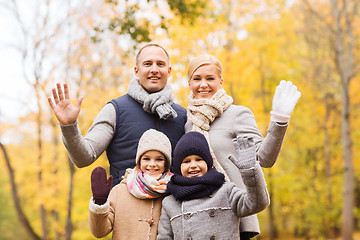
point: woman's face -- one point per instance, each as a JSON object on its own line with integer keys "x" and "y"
{"x": 153, "y": 163}
{"x": 205, "y": 82}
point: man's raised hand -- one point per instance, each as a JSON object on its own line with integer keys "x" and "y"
{"x": 64, "y": 110}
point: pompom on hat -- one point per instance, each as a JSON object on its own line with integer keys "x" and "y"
{"x": 192, "y": 143}
{"x": 154, "y": 140}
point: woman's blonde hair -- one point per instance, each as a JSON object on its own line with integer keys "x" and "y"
{"x": 205, "y": 59}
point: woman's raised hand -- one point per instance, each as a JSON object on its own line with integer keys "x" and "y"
{"x": 64, "y": 110}
{"x": 284, "y": 101}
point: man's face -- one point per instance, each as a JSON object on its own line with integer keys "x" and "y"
{"x": 153, "y": 69}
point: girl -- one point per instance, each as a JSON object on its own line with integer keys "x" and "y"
{"x": 132, "y": 208}
{"x": 202, "y": 205}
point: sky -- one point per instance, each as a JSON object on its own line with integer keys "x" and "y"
{"x": 16, "y": 97}
{"x": 14, "y": 90}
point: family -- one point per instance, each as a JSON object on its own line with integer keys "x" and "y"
{"x": 176, "y": 173}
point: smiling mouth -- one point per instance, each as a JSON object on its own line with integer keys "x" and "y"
{"x": 194, "y": 173}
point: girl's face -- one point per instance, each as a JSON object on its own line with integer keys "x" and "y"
{"x": 205, "y": 82}
{"x": 153, "y": 163}
{"x": 193, "y": 166}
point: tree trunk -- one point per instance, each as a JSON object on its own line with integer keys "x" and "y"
{"x": 348, "y": 184}
{"x": 40, "y": 158}
{"x": 272, "y": 227}
{"x": 69, "y": 226}
{"x": 328, "y": 167}
{"x": 344, "y": 64}
{"x": 21, "y": 215}
{"x": 267, "y": 104}
{"x": 55, "y": 143}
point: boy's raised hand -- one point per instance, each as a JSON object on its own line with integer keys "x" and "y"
{"x": 64, "y": 110}
{"x": 100, "y": 186}
{"x": 246, "y": 155}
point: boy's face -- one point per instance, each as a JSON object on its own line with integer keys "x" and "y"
{"x": 152, "y": 163}
{"x": 193, "y": 166}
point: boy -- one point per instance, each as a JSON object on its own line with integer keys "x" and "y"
{"x": 202, "y": 205}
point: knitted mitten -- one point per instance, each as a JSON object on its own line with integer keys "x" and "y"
{"x": 246, "y": 156}
{"x": 100, "y": 186}
{"x": 284, "y": 101}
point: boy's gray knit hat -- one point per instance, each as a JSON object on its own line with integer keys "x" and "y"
{"x": 154, "y": 140}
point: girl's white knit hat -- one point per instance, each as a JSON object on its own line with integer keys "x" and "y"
{"x": 154, "y": 140}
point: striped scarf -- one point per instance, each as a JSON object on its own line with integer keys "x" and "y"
{"x": 202, "y": 112}
{"x": 143, "y": 186}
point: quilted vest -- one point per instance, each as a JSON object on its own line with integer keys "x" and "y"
{"x": 131, "y": 122}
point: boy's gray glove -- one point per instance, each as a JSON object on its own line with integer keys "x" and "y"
{"x": 246, "y": 155}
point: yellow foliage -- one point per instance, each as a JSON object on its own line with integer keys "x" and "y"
{"x": 259, "y": 44}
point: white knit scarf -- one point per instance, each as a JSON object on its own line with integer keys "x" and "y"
{"x": 143, "y": 186}
{"x": 159, "y": 102}
{"x": 202, "y": 112}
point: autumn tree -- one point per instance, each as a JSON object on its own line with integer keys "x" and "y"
{"x": 338, "y": 20}
{"x": 34, "y": 48}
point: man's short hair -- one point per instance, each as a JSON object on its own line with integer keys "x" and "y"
{"x": 150, "y": 45}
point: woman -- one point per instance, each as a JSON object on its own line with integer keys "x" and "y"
{"x": 211, "y": 112}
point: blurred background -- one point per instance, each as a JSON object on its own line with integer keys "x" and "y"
{"x": 91, "y": 45}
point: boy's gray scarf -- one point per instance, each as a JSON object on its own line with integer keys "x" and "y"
{"x": 158, "y": 102}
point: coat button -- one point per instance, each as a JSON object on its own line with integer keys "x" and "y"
{"x": 212, "y": 237}
{"x": 212, "y": 213}
{"x": 187, "y": 216}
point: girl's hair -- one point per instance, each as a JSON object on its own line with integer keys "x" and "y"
{"x": 203, "y": 60}
{"x": 166, "y": 166}
{"x": 167, "y": 162}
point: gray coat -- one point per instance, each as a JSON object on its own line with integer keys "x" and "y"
{"x": 239, "y": 120}
{"x": 216, "y": 216}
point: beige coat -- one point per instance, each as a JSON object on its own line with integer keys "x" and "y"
{"x": 127, "y": 216}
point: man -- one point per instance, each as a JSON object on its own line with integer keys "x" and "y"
{"x": 120, "y": 124}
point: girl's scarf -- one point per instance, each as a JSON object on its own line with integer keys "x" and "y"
{"x": 143, "y": 186}
{"x": 202, "y": 112}
{"x": 183, "y": 188}
{"x": 158, "y": 102}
